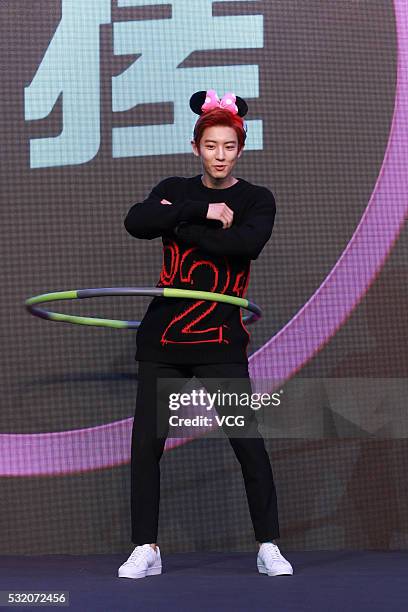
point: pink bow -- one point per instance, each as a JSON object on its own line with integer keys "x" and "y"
{"x": 213, "y": 101}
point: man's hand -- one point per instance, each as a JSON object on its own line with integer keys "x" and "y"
{"x": 221, "y": 212}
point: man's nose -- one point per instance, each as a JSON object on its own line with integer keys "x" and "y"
{"x": 220, "y": 154}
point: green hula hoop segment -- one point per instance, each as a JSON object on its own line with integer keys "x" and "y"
{"x": 167, "y": 292}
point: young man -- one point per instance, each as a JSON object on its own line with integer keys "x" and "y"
{"x": 212, "y": 226}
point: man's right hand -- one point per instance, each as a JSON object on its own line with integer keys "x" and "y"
{"x": 221, "y": 212}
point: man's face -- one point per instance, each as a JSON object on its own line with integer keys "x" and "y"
{"x": 218, "y": 147}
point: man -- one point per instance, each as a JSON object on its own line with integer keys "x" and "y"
{"x": 212, "y": 226}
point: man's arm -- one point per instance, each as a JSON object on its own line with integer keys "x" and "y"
{"x": 152, "y": 217}
{"x": 245, "y": 240}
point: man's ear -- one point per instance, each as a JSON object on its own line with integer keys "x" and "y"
{"x": 239, "y": 154}
{"x": 195, "y": 149}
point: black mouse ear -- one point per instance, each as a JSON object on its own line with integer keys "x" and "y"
{"x": 242, "y": 106}
{"x": 198, "y": 99}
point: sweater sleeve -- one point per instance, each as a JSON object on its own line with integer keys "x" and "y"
{"x": 245, "y": 240}
{"x": 151, "y": 218}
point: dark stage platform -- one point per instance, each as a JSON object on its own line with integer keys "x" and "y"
{"x": 327, "y": 581}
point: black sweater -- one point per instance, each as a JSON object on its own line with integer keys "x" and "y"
{"x": 200, "y": 254}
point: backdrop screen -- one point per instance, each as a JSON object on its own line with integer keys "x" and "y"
{"x": 95, "y": 112}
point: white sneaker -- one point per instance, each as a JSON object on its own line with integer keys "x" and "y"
{"x": 270, "y": 561}
{"x": 143, "y": 561}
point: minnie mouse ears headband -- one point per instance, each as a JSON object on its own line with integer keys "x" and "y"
{"x": 204, "y": 101}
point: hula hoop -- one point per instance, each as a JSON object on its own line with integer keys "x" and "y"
{"x": 167, "y": 292}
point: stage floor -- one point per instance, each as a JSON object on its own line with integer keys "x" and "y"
{"x": 327, "y": 581}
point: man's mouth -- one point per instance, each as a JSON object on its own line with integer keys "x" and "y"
{"x": 219, "y": 167}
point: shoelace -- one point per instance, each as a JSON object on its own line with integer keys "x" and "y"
{"x": 272, "y": 550}
{"x": 138, "y": 552}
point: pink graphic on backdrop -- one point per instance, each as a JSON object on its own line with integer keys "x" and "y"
{"x": 293, "y": 346}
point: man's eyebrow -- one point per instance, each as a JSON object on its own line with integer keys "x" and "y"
{"x": 227, "y": 142}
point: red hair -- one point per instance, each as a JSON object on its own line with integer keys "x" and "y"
{"x": 220, "y": 116}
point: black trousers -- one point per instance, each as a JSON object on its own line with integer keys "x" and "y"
{"x": 147, "y": 449}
